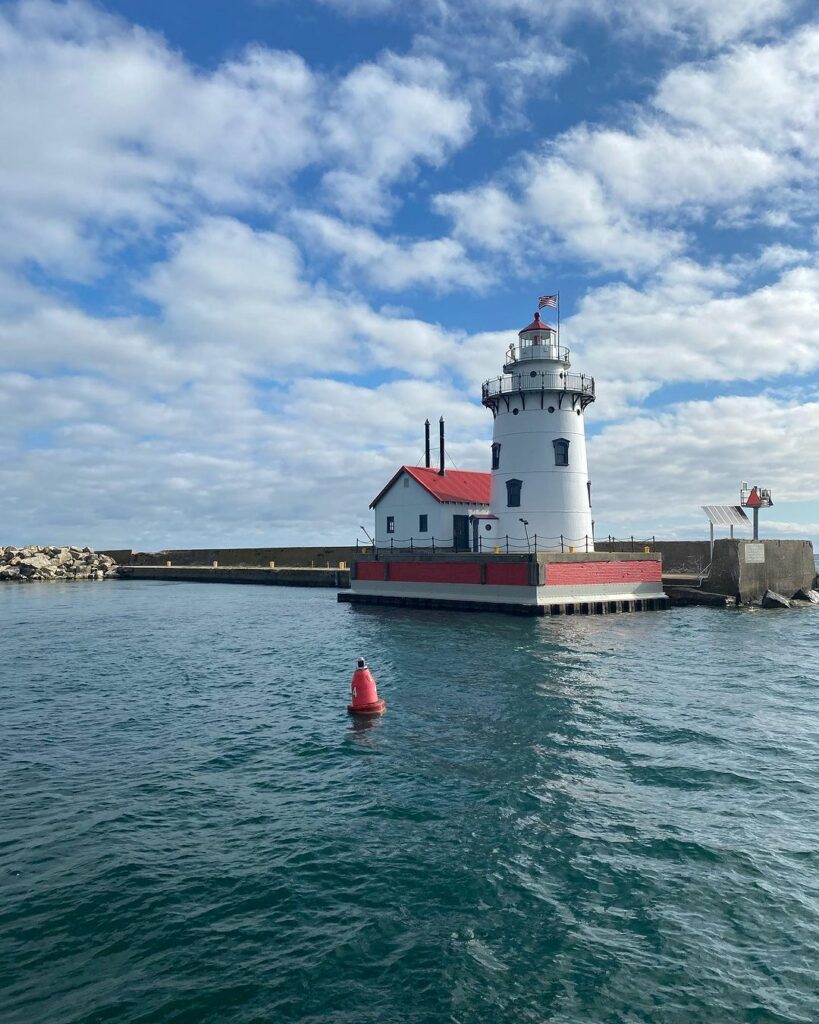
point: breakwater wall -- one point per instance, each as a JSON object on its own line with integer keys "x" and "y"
{"x": 746, "y": 569}
{"x": 679, "y": 556}
{"x": 35, "y": 564}
{"x": 299, "y": 557}
{"x": 292, "y": 577}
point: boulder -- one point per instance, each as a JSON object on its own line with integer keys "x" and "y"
{"x": 51, "y": 562}
{"x": 807, "y": 595}
{"x": 39, "y": 561}
{"x": 770, "y": 599}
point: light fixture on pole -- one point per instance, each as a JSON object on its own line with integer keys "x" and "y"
{"x": 526, "y": 530}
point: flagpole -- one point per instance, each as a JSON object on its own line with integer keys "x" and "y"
{"x": 558, "y": 321}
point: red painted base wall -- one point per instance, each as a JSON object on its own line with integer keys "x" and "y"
{"x": 510, "y": 574}
{"x": 568, "y": 574}
{"x": 434, "y": 572}
{"x": 499, "y": 574}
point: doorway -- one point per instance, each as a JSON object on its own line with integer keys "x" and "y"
{"x": 460, "y": 533}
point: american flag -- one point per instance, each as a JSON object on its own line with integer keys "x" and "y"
{"x": 547, "y": 300}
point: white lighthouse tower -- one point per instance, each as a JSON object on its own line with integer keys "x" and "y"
{"x": 540, "y": 478}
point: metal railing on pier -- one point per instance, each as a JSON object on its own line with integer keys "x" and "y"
{"x": 501, "y": 545}
{"x": 629, "y": 543}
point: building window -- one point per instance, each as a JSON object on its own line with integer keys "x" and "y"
{"x": 561, "y": 446}
{"x": 422, "y": 524}
{"x": 406, "y": 481}
{"x": 390, "y": 524}
{"x": 496, "y": 455}
{"x": 588, "y": 488}
{"x": 513, "y": 493}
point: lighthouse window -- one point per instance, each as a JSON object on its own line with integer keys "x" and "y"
{"x": 422, "y": 524}
{"x": 533, "y": 373}
{"x": 561, "y": 446}
{"x": 588, "y": 488}
{"x": 513, "y": 493}
{"x": 390, "y": 524}
{"x": 551, "y": 408}
{"x": 496, "y": 455}
{"x": 515, "y": 412}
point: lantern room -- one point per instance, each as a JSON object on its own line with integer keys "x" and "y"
{"x": 538, "y": 341}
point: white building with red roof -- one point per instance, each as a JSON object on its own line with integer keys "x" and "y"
{"x": 421, "y": 505}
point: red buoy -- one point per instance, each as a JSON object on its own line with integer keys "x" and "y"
{"x": 364, "y": 693}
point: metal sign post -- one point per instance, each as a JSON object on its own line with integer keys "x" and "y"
{"x": 756, "y": 498}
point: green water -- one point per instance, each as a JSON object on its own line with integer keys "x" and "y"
{"x": 580, "y": 820}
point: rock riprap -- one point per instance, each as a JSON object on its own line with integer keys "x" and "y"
{"x": 34, "y": 564}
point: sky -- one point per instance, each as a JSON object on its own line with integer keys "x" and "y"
{"x": 247, "y": 248}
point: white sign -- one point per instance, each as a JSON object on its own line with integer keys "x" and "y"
{"x": 754, "y": 552}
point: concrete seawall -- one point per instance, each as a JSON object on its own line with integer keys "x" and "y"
{"x": 746, "y": 569}
{"x": 289, "y": 577}
{"x": 301, "y": 557}
{"x": 679, "y": 556}
{"x": 741, "y": 570}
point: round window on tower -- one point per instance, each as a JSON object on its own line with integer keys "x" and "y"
{"x": 578, "y": 412}
{"x": 533, "y": 373}
{"x": 488, "y": 527}
{"x": 551, "y": 408}
{"x": 515, "y": 412}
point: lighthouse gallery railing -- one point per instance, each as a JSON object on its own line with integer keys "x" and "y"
{"x": 577, "y": 383}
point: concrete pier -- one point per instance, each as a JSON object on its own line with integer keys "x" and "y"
{"x": 546, "y": 583}
{"x": 284, "y": 577}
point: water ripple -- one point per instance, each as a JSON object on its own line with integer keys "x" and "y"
{"x": 585, "y": 820}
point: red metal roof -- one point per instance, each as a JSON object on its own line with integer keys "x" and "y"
{"x": 537, "y": 325}
{"x": 457, "y": 485}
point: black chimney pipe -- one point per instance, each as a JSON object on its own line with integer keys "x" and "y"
{"x": 441, "y": 445}
{"x": 426, "y": 443}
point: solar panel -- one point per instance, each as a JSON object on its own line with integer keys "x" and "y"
{"x": 726, "y": 515}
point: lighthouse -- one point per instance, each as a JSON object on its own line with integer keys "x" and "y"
{"x": 519, "y": 538}
{"x": 540, "y": 478}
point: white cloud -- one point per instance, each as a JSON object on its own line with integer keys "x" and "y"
{"x": 109, "y": 134}
{"x": 708, "y": 22}
{"x": 659, "y": 468}
{"x": 765, "y": 96}
{"x": 622, "y": 199}
{"x": 241, "y": 300}
{"x": 105, "y": 127}
{"x": 393, "y": 264}
{"x": 692, "y": 325}
{"x": 702, "y": 20}
{"x": 383, "y": 120}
